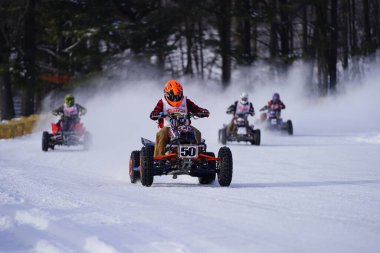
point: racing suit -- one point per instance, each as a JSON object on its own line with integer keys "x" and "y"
{"x": 275, "y": 106}
{"x": 69, "y": 115}
{"x": 162, "y": 136}
{"x": 236, "y": 109}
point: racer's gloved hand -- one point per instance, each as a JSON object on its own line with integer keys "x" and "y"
{"x": 162, "y": 114}
{"x": 155, "y": 115}
{"x": 264, "y": 108}
{"x": 204, "y": 113}
{"x": 251, "y": 113}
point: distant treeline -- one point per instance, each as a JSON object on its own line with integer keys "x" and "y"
{"x": 47, "y": 43}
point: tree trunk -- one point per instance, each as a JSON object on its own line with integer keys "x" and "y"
{"x": 244, "y": 31}
{"x": 376, "y": 23}
{"x": 345, "y": 32}
{"x": 27, "y": 103}
{"x": 353, "y": 32}
{"x": 200, "y": 42}
{"x": 189, "y": 30}
{"x": 322, "y": 50}
{"x": 304, "y": 32}
{"x": 6, "y": 97}
{"x": 284, "y": 30}
{"x": 273, "y": 45}
{"x": 367, "y": 27}
{"x": 333, "y": 46}
{"x": 254, "y": 42}
{"x": 247, "y": 34}
{"x": 224, "y": 21}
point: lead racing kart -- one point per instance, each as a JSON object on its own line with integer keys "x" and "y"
{"x": 272, "y": 121}
{"x": 183, "y": 156}
{"x": 243, "y": 132}
{"x": 68, "y": 132}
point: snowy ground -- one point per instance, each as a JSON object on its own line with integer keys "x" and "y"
{"x": 317, "y": 191}
{"x": 306, "y": 193}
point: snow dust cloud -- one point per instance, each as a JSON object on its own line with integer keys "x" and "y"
{"x": 119, "y": 108}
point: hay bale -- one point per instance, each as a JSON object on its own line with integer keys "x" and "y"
{"x": 18, "y": 127}
{"x": 6, "y": 131}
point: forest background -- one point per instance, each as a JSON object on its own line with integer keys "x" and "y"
{"x": 57, "y": 45}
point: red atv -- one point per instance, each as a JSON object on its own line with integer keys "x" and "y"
{"x": 68, "y": 132}
{"x": 184, "y": 156}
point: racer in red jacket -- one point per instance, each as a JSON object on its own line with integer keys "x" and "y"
{"x": 173, "y": 102}
{"x": 273, "y": 105}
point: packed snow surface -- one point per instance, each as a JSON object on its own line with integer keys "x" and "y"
{"x": 316, "y": 191}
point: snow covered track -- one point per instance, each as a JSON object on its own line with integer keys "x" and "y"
{"x": 316, "y": 191}
{"x": 306, "y": 193}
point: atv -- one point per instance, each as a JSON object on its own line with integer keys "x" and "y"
{"x": 183, "y": 156}
{"x": 243, "y": 132}
{"x": 74, "y": 134}
{"x": 273, "y": 121}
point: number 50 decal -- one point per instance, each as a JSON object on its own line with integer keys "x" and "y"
{"x": 188, "y": 151}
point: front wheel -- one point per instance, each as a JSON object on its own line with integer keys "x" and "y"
{"x": 134, "y": 162}
{"x": 45, "y": 141}
{"x": 289, "y": 127}
{"x": 225, "y": 166}
{"x": 146, "y": 165}
{"x": 256, "y": 137}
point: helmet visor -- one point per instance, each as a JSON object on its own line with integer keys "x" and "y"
{"x": 174, "y": 98}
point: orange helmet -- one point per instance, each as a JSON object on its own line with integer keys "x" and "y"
{"x": 173, "y": 93}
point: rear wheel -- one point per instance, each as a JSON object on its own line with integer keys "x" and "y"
{"x": 257, "y": 137}
{"x": 211, "y": 166}
{"x": 225, "y": 166}
{"x": 146, "y": 165}
{"x": 223, "y": 136}
{"x": 289, "y": 127}
{"x": 45, "y": 141}
{"x": 134, "y": 162}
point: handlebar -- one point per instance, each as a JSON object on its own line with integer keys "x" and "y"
{"x": 62, "y": 115}
{"x": 187, "y": 116}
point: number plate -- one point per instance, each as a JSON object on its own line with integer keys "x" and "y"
{"x": 242, "y": 130}
{"x": 274, "y": 121}
{"x": 188, "y": 151}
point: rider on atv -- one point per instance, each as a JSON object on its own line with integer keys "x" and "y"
{"x": 70, "y": 112}
{"x": 174, "y": 102}
{"x": 275, "y": 105}
{"x": 240, "y": 108}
